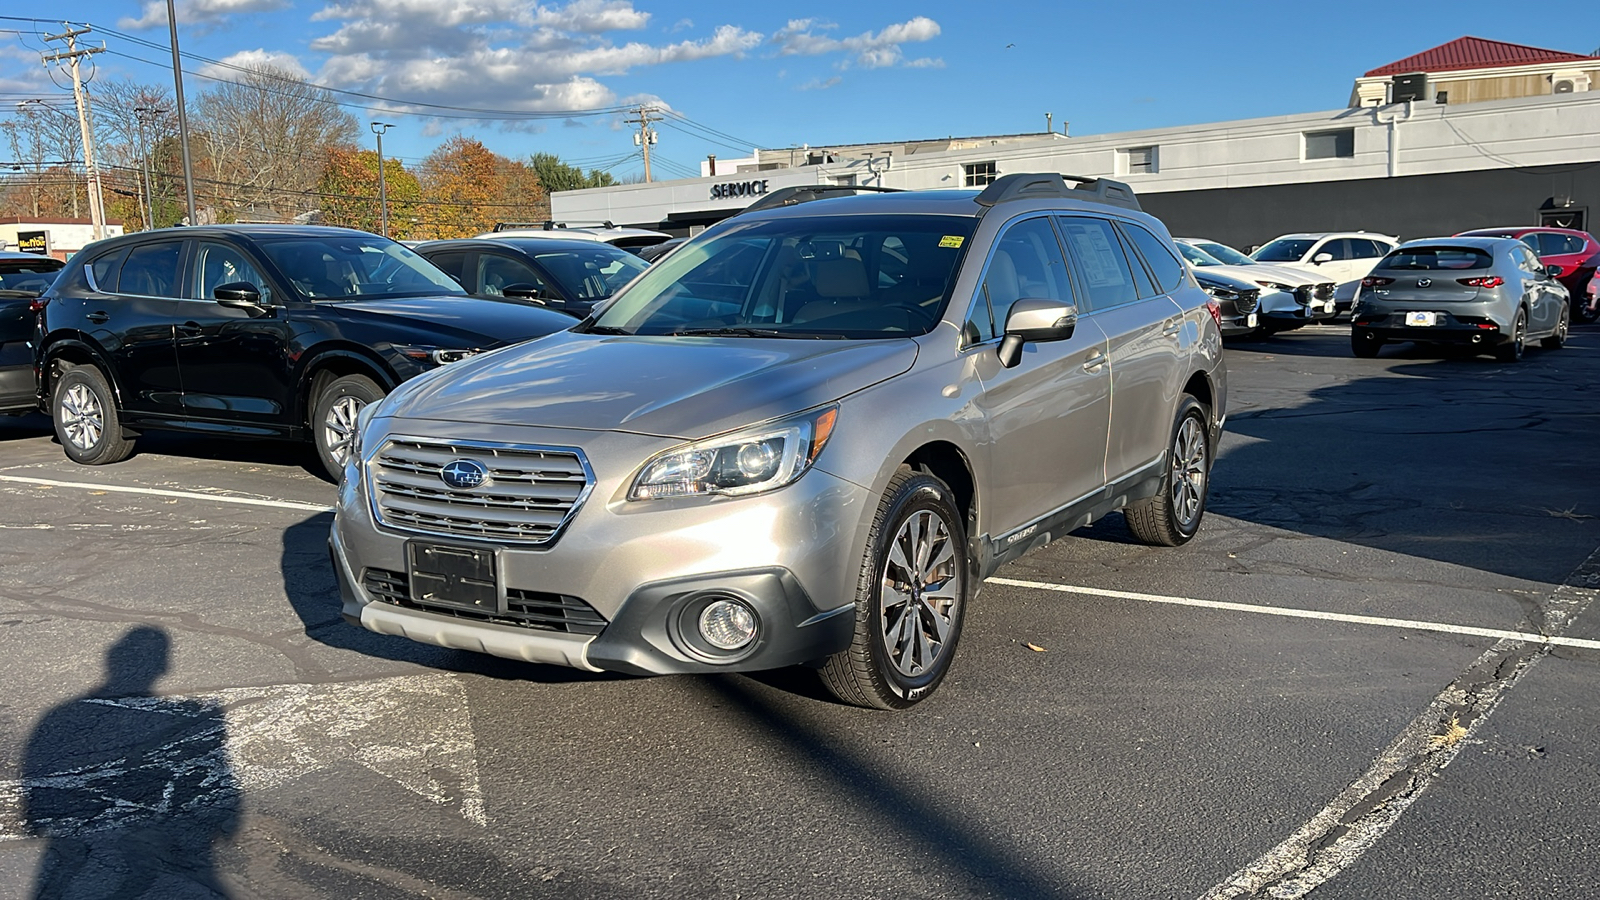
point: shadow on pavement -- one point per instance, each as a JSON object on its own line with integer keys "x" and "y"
{"x": 131, "y": 791}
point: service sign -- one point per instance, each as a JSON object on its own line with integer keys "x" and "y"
{"x": 731, "y": 189}
{"x": 34, "y": 242}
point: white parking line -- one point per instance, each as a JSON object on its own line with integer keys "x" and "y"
{"x": 159, "y": 492}
{"x": 1290, "y": 612}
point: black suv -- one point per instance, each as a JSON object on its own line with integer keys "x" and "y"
{"x": 569, "y": 274}
{"x": 257, "y": 331}
{"x": 23, "y": 277}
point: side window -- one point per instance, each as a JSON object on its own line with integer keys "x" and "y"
{"x": 454, "y": 264}
{"x": 1532, "y": 240}
{"x": 496, "y": 273}
{"x": 105, "y": 268}
{"x": 1366, "y": 248}
{"x": 1158, "y": 255}
{"x": 1338, "y": 248}
{"x": 1530, "y": 262}
{"x": 151, "y": 270}
{"x": 218, "y": 264}
{"x": 1098, "y": 255}
{"x": 1026, "y": 264}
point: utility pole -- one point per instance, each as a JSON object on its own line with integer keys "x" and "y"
{"x": 647, "y": 135}
{"x": 139, "y": 112}
{"x": 183, "y": 118}
{"x": 378, "y": 128}
{"x": 72, "y": 56}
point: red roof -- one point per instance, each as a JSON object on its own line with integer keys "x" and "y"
{"x": 1476, "y": 53}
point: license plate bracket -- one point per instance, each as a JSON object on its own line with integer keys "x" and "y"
{"x": 463, "y": 578}
{"x": 1421, "y": 319}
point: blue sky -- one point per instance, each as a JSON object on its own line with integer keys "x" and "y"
{"x": 742, "y": 74}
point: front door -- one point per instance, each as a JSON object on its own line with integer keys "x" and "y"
{"x": 238, "y": 369}
{"x": 1046, "y": 417}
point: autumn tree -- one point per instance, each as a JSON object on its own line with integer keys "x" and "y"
{"x": 46, "y": 158}
{"x": 131, "y": 121}
{"x": 466, "y": 189}
{"x": 349, "y": 193}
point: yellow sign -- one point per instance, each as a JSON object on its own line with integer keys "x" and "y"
{"x": 34, "y": 242}
{"x": 951, "y": 240}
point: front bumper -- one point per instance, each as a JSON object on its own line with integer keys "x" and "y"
{"x": 619, "y": 587}
{"x": 1236, "y": 325}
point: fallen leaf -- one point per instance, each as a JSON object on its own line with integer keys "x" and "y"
{"x": 1034, "y": 647}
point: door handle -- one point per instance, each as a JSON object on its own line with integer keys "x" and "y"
{"x": 1094, "y": 363}
{"x": 99, "y": 317}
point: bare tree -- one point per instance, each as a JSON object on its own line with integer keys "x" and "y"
{"x": 266, "y": 136}
{"x": 44, "y": 146}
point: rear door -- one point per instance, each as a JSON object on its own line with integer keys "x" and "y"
{"x": 131, "y": 318}
{"x": 1144, "y": 336}
{"x": 238, "y": 369}
{"x": 1047, "y": 416}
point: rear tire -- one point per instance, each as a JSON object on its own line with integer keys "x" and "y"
{"x": 333, "y": 418}
{"x": 1559, "y": 339}
{"x": 1511, "y": 351}
{"x": 87, "y": 422}
{"x": 911, "y": 598}
{"x": 1364, "y": 343}
{"x": 1173, "y": 515}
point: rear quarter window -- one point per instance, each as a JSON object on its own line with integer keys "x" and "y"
{"x": 1441, "y": 258}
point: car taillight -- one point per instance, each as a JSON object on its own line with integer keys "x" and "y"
{"x": 1375, "y": 281}
{"x": 1487, "y": 281}
{"x": 1215, "y": 309}
{"x": 37, "y": 304}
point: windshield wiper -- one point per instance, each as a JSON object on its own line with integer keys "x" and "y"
{"x": 746, "y": 331}
{"x": 602, "y": 329}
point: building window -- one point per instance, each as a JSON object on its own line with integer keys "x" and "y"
{"x": 1140, "y": 161}
{"x": 1339, "y": 144}
{"x": 980, "y": 174}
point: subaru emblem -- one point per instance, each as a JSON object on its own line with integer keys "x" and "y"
{"x": 463, "y": 474}
{"x": 1424, "y": 282}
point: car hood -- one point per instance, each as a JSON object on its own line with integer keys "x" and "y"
{"x": 676, "y": 387}
{"x": 1292, "y": 274}
{"x": 471, "y": 321}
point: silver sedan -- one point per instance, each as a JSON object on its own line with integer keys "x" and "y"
{"x": 1491, "y": 294}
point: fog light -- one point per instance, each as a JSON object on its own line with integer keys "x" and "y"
{"x": 727, "y": 624}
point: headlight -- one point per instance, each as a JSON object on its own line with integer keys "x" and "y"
{"x": 758, "y": 459}
{"x": 437, "y": 356}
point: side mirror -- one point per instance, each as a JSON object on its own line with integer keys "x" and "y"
{"x": 1554, "y": 271}
{"x": 525, "y": 291}
{"x": 1035, "y": 321}
{"x": 1321, "y": 258}
{"x": 240, "y": 295}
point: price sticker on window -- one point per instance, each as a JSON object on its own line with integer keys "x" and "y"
{"x": 951, "y": 240}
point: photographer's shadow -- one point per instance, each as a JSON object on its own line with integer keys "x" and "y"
{"x": 131, "y": 791}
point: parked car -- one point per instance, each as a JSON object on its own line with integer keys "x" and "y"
{"x": 1341, "y": 257}
{"x": 1238, "y": 300}
{"x": 1575, "y": 253}
{"x": 563, "y": 274}
{"x": 604, "y": 232}
{"x": 23, "y": 277}
{"x": 654, "y": 252}
{"x": 254, "y": 331}
{"x": 1289, "y": 298}
{"x": 804, "y": 437}
{"x": 1492, "y": 294}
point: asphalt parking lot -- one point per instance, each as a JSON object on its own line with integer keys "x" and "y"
{"x": 1372, "y": 674}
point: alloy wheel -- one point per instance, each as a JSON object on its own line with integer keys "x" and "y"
{"x": 339, "y": 427}
{"x": 82, "y": 416}
{"x": 921, "y": 587}
{"x": 1188, "y": 482}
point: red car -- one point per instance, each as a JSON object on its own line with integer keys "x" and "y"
{"x": 1576, "y": 252}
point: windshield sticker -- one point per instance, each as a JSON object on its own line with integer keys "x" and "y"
{"x": 951, "y": 240}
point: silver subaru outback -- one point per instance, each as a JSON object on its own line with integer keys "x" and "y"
{"x": 804, "y": 438}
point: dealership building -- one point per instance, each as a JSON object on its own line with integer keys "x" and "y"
{"x": 1469, "y": 134}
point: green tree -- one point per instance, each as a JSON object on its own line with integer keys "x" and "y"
{"x": 556, "y": 175}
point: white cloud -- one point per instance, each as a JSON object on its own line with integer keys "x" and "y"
{"x": 802, "y": 37}
{"x": 251, "y": 59}
{"x": 197, "y": 12}
{"x": 818, "y": 84}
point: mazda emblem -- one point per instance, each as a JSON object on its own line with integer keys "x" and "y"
{"x": 464, "y": 474}
{"x": 1424, "y": 282}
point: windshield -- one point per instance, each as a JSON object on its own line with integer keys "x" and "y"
{"x": 1284, "y": 250}
{"x": 28, "y": 275}
{"x": 343, "y": 267}
{"x": 799, "y": 276}
{"x": 591, "y": 273}
{"x": 1196, "y": 256}
{"x": 1226, "y": 254}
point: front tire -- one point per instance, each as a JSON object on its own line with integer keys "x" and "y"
{"x": 1511, "y": 351}
{"x": 333, "y": 419}
{"x": 1173, "y": 515}
{"x": 84, "y": 411}
{"x": 911, "y": 598}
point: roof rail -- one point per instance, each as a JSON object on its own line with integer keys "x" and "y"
{"x": 549, "y": 225}
{"x": 789, "y": 196}
{"x": 1052, "y": 184}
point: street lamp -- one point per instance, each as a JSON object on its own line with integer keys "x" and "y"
{"x": 378, "y": 128}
